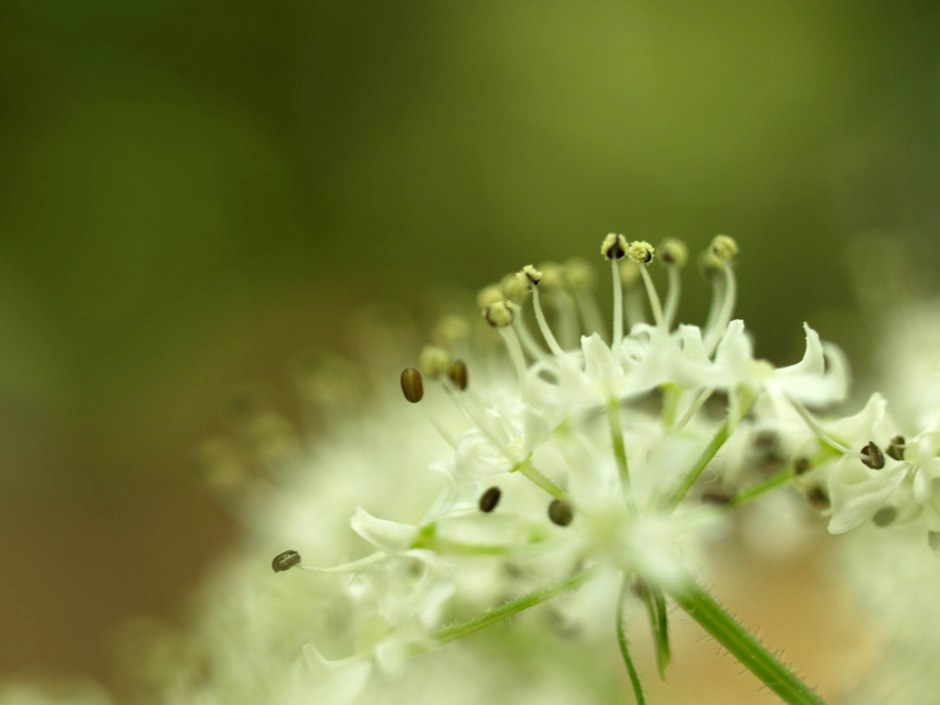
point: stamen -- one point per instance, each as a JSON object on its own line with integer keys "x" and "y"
{"x": 412, "y": 386}
{"x": 821, "y": 433}
{"x": 516, "y": 285}
{"x": 884, "y": 516}
{"x": 722, "y": 249}
{"x": 285, "y": 561}
{"x": 560, "y": 512}
{"x": 458, "y": 374}
{"x": 579, "y": 279}
{"x": 434, "y": 361}
{"x": 896, "y": 448}
{"x": 614, "y": 248}
{"x": 498, "y": 314}
{"x": 629, "y": 276}
{"x": 489, "y": 295}
{"x": 529, "y": 344}
{"x": 451, "y": 331}
{"x": 674, "y": 254}
{"x": 693, "y": 409}
{"x": 515, "y": 352}
{"x": 872, "y": 456}
{"x": 550, "y": 339}
{"x": 489, "y": 499}
{"x": 642, "y": 253}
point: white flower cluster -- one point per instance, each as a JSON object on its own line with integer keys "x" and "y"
{"x": 595, "y": 461}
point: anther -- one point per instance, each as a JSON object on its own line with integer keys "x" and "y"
{"x": 896, "y": 448}
{"x": 552, "y": 275}
{"x": 673, "y": 253}
{"x": 285, "y": 561}
{"x": 872, "y": 456}
{"x": 451, "y": 330}
{"x": 412, "y": 386}
{"x": 818, "y": 497}
{"x": 933, "y": 540}
{"x": 489, "y": 499}
{"x": 724, "y": 248}
{"x": 717, "y": 498}
{"x": 884, "y": 516}
{"x": 532, "y": 274}
{"x": 434, "y": 361}
{"x": 560, "y": 512}
{"x": 800, "y": 466}
{"x": 515, "y": 286}
{"x": 614, "y": 246}
{"x": 640, "y": 252}
{"x": 498, "y": 314}
{"x": 710, "y": 264}
{"x": 578, "y": 274}
{"x": 458, "y": 374}
{"x": 489, "y": 295}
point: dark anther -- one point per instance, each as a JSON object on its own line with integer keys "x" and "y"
{"x": 884, "y": 516}
{"x": 458, "y": 374}
{"x": 800, "y": 466}
{"x": 872, "y": 456}
{"x": 896, "y": 448}
{"x": 489, "y": 499}
{"x": 818, "y": 498}
{"x": 285, "y": 561}
{"x": 412, "y": 386}
{"x": 716, "y": 497}
{"x": 560, "y": 512}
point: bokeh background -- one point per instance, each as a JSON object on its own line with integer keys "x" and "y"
{"x": 192, "y": 193}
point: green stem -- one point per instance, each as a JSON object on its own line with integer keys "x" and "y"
{"x": 771, "y": 483}
{"x": 537, "y": 478}
{"x": 510, "y": 608}
{"x": 714, "y": 445}
{"x": 620, "y": 453}
{"x": 624, "y": 645}
{"x": 741, "y": 644}
{"x": 655, "y": 602}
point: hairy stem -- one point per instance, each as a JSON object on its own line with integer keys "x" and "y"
{"x": 625, "y": 647}
{"x": 512, "y": 607}
{"x": 741, "y": 644}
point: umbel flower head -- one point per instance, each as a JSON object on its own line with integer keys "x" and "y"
{"x": 585, "y": 467}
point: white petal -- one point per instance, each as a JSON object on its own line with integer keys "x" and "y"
{"x": 857, "y": 492}
{"x": 389, "y": 536}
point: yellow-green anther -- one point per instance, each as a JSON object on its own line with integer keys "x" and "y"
{"x": 614, "y": 246}
{"x": 434, "y": 361}
{"x": 673, "y": 253}
{"x": 640, "y": 252}
{"x": 724, "y": 248}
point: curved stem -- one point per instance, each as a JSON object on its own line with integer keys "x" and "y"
{"x": 457, "y": 631}
{"x": 741, "y": 644}
{"x": 624, "y": 645}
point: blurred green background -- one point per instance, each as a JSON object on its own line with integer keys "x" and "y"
{"x": 191, "y": 193}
